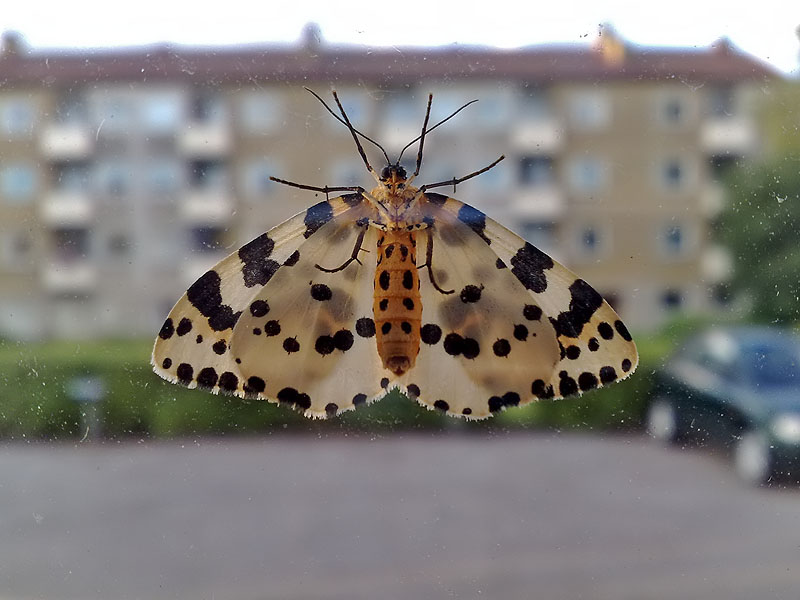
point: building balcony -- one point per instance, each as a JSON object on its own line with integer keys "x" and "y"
{"x": 69, "y": 277}
{"x": 541, "y": 136}
{"x": 729, "y": 136}
{"x": 205, "y": 140}
{"x": 712, "y": 199}
{"x": 537, "y": 203}
{"x": 207, "y": 207}
{"x": 66, "y": 208}
{"x": 716, "y": 264}
{"x": 66, "y": 142}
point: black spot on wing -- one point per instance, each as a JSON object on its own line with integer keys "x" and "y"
{"x": 583, "y": 303}
{"x": 608, "y": 374}
{"x": 365, "y": 327}
{"x": 295, "y": 398}
{"x": 205, "y": 295}
{"x": 431, "y": 333}
{"x": 207, "y": 378}
{"x": 529, "y": 265}
{"x": 257, "y": 266}
{"x": 343, "y": 340}
{"x": 254, "y": 385}
{"x": 228, "y": 382}
{"x": 272, "y": 328}
{"x": 567, "y": 385}
{"x": 352, "y": 199}
{"x": 316, "y": 217}
{"x": 475, "y": 220}
{"x": 622, "y": 330}
{"x": 497, "y": 403}
{"x": 185, "y": 373}
{"x": 167, "y": 329}
{"x": 184, "y": 327}
{"x": 292, "y": 260}
{"x": 441, "y": 405}
{"x": 435, "y": 198}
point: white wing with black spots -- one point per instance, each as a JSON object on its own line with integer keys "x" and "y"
{"x": 521, "y": 326}
{"x": 209, "y": 339}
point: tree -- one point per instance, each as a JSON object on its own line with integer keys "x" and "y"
{"x": 761, "y": 227}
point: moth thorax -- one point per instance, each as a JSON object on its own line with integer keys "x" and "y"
{"x": 397, "y": 305}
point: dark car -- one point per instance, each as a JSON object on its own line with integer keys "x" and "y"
{"x": 738, "y": 386}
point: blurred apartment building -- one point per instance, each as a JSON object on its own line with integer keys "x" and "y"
{"x": 124, "y": 174}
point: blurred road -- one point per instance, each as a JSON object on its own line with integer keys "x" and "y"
{"x": 415, "y": 517}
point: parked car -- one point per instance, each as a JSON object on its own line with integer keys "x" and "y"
{"x": 738, "y": 386}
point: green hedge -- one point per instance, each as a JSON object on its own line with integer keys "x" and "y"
{"x": 35, "y": 402}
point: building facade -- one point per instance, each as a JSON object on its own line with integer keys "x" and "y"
{"x": 124, "y": 174}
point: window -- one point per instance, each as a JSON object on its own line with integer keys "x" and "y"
{"x": 536, "y": 170}
{"x": 70, "y": 243}
{"x": 17, "y": 183}
{"x": 672, "y": 109}
{"x": 17, "y": 117}
{"x": 114, "y": 178}
{"x": 539, "y": 233}
{"x": 589, "y": 240}
{"x": 720, "y": 164}
{"x": 492, "y": 111}
{"x": 260, "y": 112}
{"x": 673, "y": 174}
{"x": 535, "y": 104}
{"x": 403, "y": 109}
{"x": 71, "y": 176}
{"x": 721, "y": 102}
{"x": 16, "y": 248}
{"x": 208, "y": 174}
{"x": 589, "y": 110}
{"x": 587, "y": 174}
{"x": 164, "y": 176}
{"x": 119, "y": 244}
{"x": 671, "y": 299}
{"x": 675, "y": 239}
{"x": 71, "y": 108}
{"x": 207, "y": 108}
{"x": 206, "y": 238}
{"x": 355, "y": 105}
{"x": 161, "y": 113}
{"x": 348, "y": 172}
{"x": 112, "y": 113}
{"x": 256, "y": 174}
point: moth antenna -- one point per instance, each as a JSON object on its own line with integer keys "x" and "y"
{"x": 421, "y": 136}
{"x": 456, "y": 180}
{"x": 353, "y": 130}
{"x": 424, "y": 131}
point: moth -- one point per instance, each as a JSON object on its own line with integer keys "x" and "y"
{"x": 400, "y": 288}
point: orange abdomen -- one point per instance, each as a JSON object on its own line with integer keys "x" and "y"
{"x": 397, "y": 307}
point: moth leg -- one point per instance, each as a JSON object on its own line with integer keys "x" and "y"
{"x": 429, "y": 262}
{"x": 354, "y": 256}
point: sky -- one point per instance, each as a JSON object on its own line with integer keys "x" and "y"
{"x": 766, "y": 29}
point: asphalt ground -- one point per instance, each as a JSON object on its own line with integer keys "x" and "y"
{"x": 450, "y": 515}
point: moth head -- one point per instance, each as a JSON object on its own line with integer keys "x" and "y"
{"x": 394, "y": 177}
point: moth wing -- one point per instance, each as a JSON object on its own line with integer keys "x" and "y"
{"x": 208, "y": 339}
{"x": 315, "y": 348}
{"x": 541, "y": 332}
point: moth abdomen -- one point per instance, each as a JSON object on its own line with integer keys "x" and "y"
{"x": 397, "y": 305}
